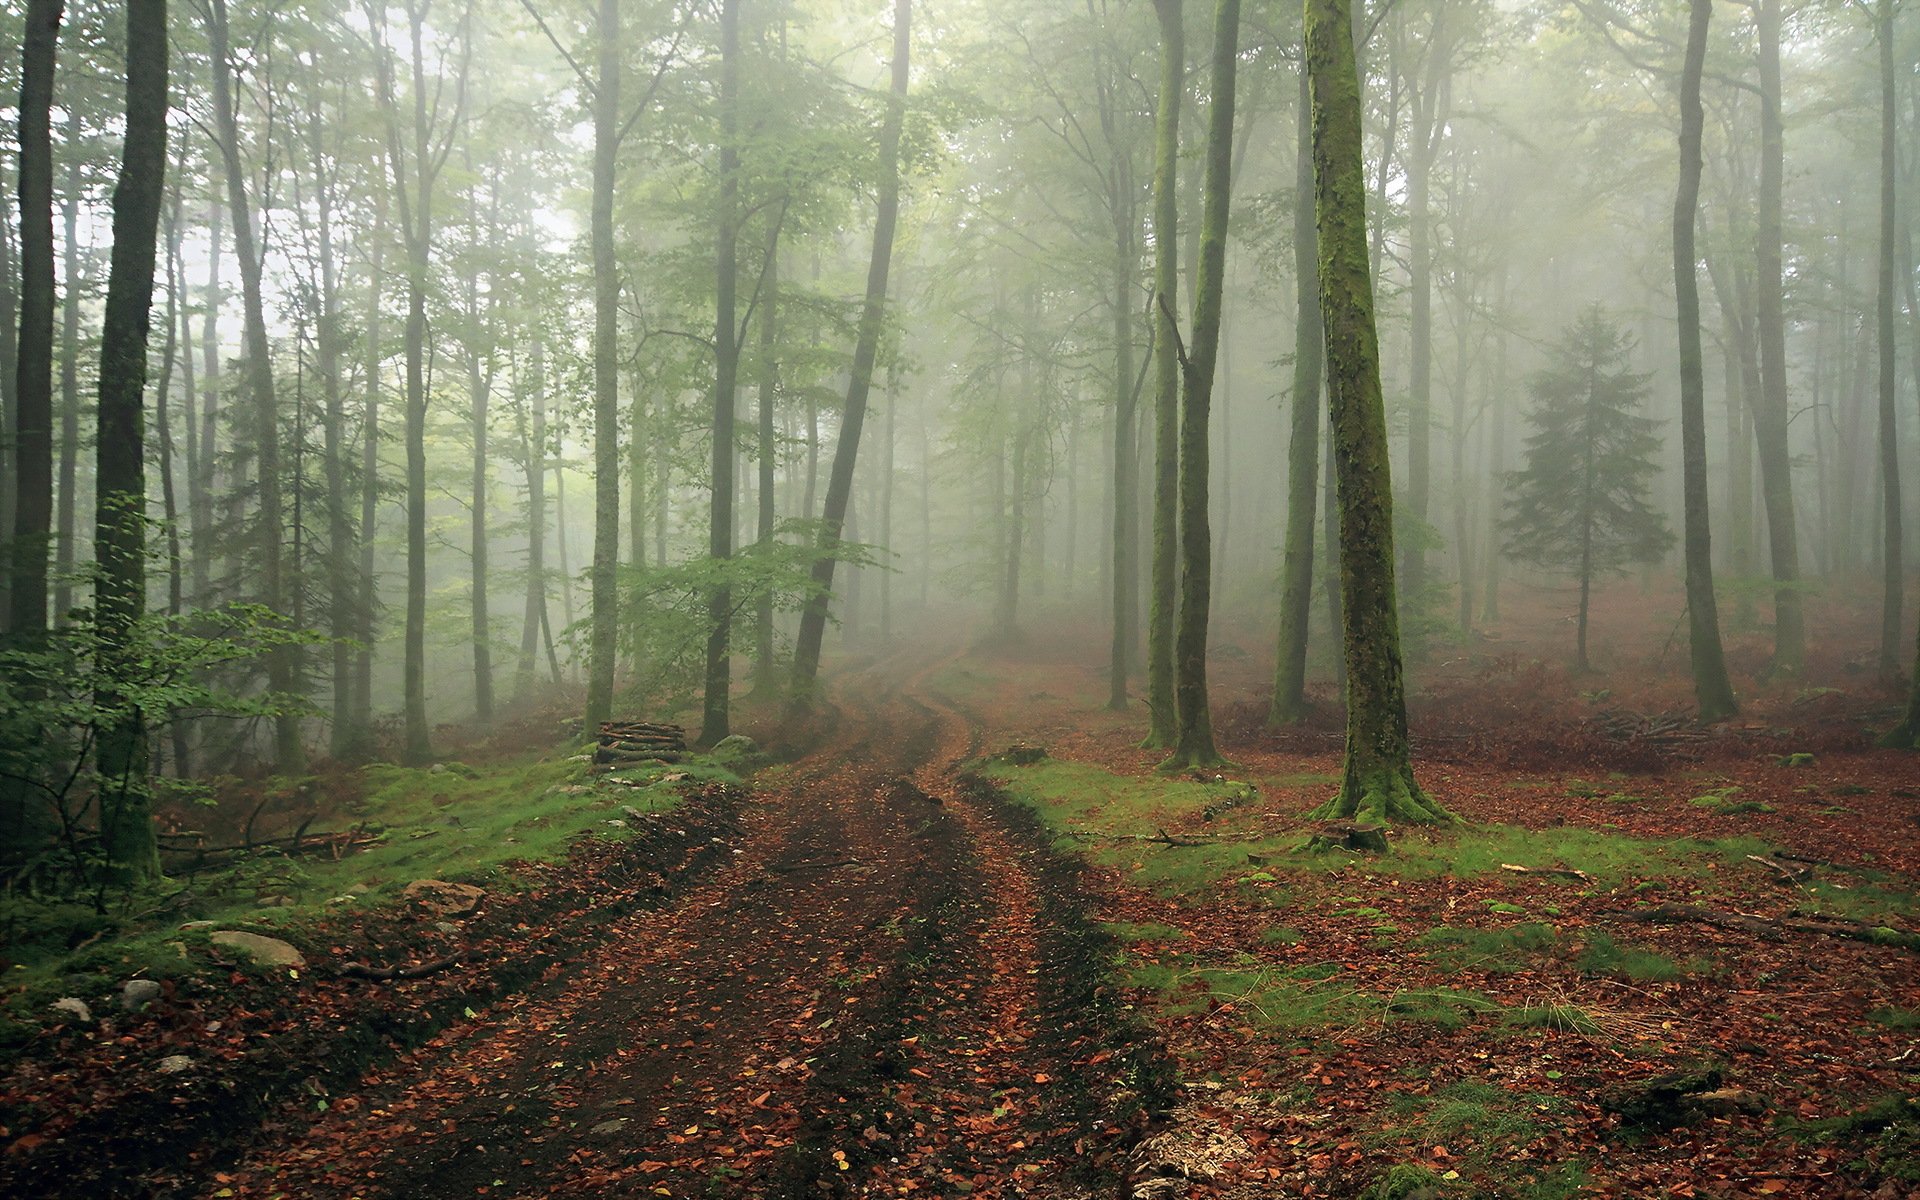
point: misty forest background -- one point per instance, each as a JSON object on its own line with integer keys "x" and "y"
{"x": 505, "y": 356}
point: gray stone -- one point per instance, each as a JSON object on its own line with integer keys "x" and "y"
{"x": 266, "y": 951}
{"x": 75, "y": 1007}
{"x": 445, "y": 899}
{"x": 138, "y": 993}
{"x": 613, "y": 1126}
{"x": 173, "y": 1064}
{"x": 437, "y": 769}
{"x": 631, "y": 813}
{"x": 186, "y": 925}
{"x": 617, "y": 823}
{"x": 446, "y": 927}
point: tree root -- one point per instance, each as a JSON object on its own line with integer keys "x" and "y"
{"x": 1767, "y": 927}
{"x": 1387, "y": 796}
{"x": 360, "y": 970}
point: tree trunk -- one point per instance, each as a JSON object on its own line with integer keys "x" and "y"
{"x": 340, "y": 605}
{"x": 9, "y": 409}
{"x": 1377, "y": 781}
{"x": 361, "y": 716}
{"x": 813, "y": 620}
{"x": 1711, "y": 688}
{"x": 200, "y": 485}
{"x": 768, "y": 390}
{"x": 1770, "y": 414}
{"x": 33, "y": 379}
{"x": 479, "y": 388}
{"x": 606, "y": 379}
{"x": 534, "y": 465}
{"x": 1164, "y": 600}
{"x": 282, "y": 662}
{"x": 1303, "y": 450}
{"x": 1892, "y": 545}
{"x": 66, "y": 532}
{"x": 177, "y": 324}
{"x": 120, "y": 482}
{"x": 726, "y": 381}
{"x": 1193, "y": 744}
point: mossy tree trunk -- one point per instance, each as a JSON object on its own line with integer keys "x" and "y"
{"x": 1712, "y": 690}
{"x": 1163, "y": 587}
{"x": 1377, "y": 783}
{"x": 126, "y": 823}
{"x": 1303, "y": 452}
{"x": 1193, "y": 745}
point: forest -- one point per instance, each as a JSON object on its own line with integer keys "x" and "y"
{"x": 1010, "y": 598}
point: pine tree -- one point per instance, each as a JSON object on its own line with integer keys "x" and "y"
{"x": 1581, "y": 503}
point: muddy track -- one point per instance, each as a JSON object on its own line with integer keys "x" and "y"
{"x": 890, "y": 990}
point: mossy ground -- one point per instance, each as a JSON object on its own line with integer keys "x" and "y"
{"x": 458, "y": 823}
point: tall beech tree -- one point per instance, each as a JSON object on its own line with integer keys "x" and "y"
{"x": 283, "y": 662}
{"x": 416, "y": 152}
{"x": 1892, "y": 541}
{"x": 1303, "y": 447}
{"x": 33, "y": 380}
{"x": 1377, "y": 781}
{"x": 1164, "y": 596}
{"x": 833, "y": 514}
{"x": 1770, "y": 412}
{"x": 1193, "y": 738}
{"x": 726, "y": 380}
{"x": 120, "y": 482}
{"x": 1713, "y": 692}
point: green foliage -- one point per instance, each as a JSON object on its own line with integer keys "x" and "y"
{"x": 1447, "y": 1008}
{"x": 1721, "y": 800}
{"x": 1561, "y": 1018}
{"x": 1590, "y": 459}
{"x": 1886, "y": 1133}
{"x": 664, "y": 620}
{"x": 60, "y": 699}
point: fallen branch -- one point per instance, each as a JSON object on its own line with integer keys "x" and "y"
{"x": 826, "y": 865}
{"x": 1558, "y": 872}
{"x": 1790, "y": 873}
{"x": 360, "y": 970}
{"x": 1858, "y": 931}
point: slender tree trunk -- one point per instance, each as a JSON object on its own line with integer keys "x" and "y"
{"x": 67, "y": 531}
{"x": 886, "y": 504}
{"x": 813, "y": 620}
{"x": 340, "y": 588}
{"x": 120, "y": 489}
{"x": 1771, "y": 415}
{"x": 726, "y": 379}
{"x": 1377, "y": 781}
{"x": 361, "y": 716}
{"x": 33, "y": 380}
{"x": 1892, "y": 545}
{"x": 534, "y": 465}
{"x": 479, "y": 388}
{"x": 1711, "y": 688}
{"x": 1589, "y": 516}
{"x": 1303, "y": 451}
{"x": 602, "y": 641}
{"x": 1193, "y": 744}
{"x": 200, "y": 483}
{"x": 769, "y": 387}
{"x": 9, "y": 408}
{"x": 1163, "y": 586}
{"x": 178, "y": 348}
{"x": 282, "y": 662}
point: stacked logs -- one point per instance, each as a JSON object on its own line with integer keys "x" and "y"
{"x": 623, "y": 743}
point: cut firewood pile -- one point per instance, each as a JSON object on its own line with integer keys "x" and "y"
{"x": 623, "y": 743}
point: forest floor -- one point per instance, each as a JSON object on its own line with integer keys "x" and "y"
{"x": 911, "y": 963}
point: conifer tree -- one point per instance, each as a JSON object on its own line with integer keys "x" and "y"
{"x": 1581, "y": 501}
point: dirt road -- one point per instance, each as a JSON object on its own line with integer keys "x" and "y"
{"x": 889, "y": 991}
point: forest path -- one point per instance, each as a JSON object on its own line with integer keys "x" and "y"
{"x": 866, "y": 1002}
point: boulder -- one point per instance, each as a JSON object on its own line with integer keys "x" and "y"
{"x": 444, "y": 899}
{"x": 74, "y": 1008}
{"x": 173, "y": 1064}
{"x": 265, "y": 951}
{"x": 136, "y": 994}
